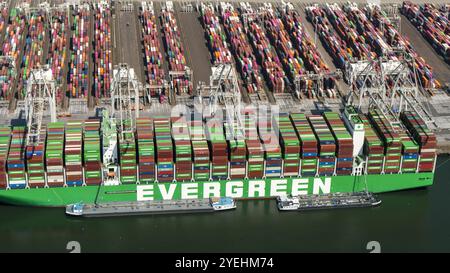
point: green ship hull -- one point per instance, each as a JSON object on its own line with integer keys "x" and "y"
{"x": 240, "y": 189}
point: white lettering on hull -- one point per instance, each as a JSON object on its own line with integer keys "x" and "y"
{"x": 321, "y": 186}
{"x": 211, "y": 189}
{"x": 256, "y": 186}
{"x": 235, "y": 189}
{"x": 144, "y": 192}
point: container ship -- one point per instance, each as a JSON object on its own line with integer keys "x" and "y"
{"x": 176, "y": 158}
{"x": 98, "y": 85}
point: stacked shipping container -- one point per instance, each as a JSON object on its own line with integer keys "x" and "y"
{"x": 5, "y": 137}
{"x": 214, "y": 35}
{"x": 307, "y": 49}
{"x": 292, "y": 63}
{"x": 218, "y": 148}
{"x": 102, "y": 50}
{"x": 373, "y": 148}
{"x": 33, "y": 51}
{"x": 78, "y": 83}
{"x": 200, "y": 150}
{"x": 16, "y": 161}
{"x": 424, "y": 137}
{"x": 271, "y": 146}
{"x": 92, "y": 155}
{"x": 394, "y": 38}
{"x": 308, "y": 144}
{"x": 73, "y": 148}
{"x": 34, "y": 155}
{"x": 326, "y": 143}
{"x": 127, "y": 159}
{"x": 266, "y": 56}
{"x": 146, "y": 150}
{"x": 336, "y": 47}
{"x": 432, "y": 23}
{"x": 183, "y": 149}
{"x": 152, "y": 49}
{"x": 175, "y": 52}
{"x": 12, "y": 47}
{"x": 290, "y": 144}
{"x": 54, "y": 154}
{"x": 240, "y": 46}
{"x": 164, "y": 149}
{"x": 57, "y": 53}
{"x": 255, "y": 152}
{"x": 344, "y": 142}
{"x": 391, "y": 141}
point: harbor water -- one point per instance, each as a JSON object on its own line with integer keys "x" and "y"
{"x": 407, "y": 221}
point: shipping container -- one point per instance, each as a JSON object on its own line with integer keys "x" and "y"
{"x": 241, "y": 48}
{"x": 181, "y": 82}
{"x": 152, "y": 49}
{"x": 214, "y": 35}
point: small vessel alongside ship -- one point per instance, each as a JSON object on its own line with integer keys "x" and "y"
{"x": 327, "y": 201}
{"x": 151, "y": 207}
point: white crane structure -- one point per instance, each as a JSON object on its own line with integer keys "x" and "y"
{"x": 125, "y": 90}
{"x": 39, "y": 100}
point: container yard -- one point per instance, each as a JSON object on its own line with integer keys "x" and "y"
{"x": 262, "y": 91}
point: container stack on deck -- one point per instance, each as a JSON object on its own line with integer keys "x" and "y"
{"x": 241, "y": 48}
{"x": 102, "y": 50}
{"x": 128, "y": 164}
{"x": 308, "y": 143}
{"x": 373, "y": 147}
{"x": 12, "y": 47}
{"x": 394, "y": 38}
{"x": 78, "y": 83}
{"x": 164, "y": 149}
{"x": 237, "y": 151}
{"x": 271, "y": 146}
{"x": 266, "y": 55}
{"x": 218, "y": 148}
{"x": 336, "y": 47}
{"x": 175, "y": 52}
{"x": 92, "y": 156}
{"x": 146, "y": 150}
{"x": 326, "y": 143}
{"x": 432, "y": 23}
{"x": 73, "y": 150}
{"x": 57, "y": 53}
{"x": 410, "y": 153}
{"x": 344, "y": 142}
{"x": 200, "y": 150}
{"x": 290, "y": 144}
{"x": 218, "y": 48}
{"x": 292, "y": 63}
{"x": 183, "y": 149}
{"x": 35, "y": 155}
{"x": 255, "y": 152}
{"x": 16, "y": 160}
{"x": 424, "y": 137}
{"x": 307, "y": 49}
{"x": 33, "y": 51}
{"x": 391, "y": 141}
{"x": 152, "y": 49}
{"x": 54, "y": 154}
{"x": 5, "y": 137}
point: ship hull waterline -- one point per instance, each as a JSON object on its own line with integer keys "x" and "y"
{"x": 239, "y": 189}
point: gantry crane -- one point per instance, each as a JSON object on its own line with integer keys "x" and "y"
{"x": 39, "y": 99}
